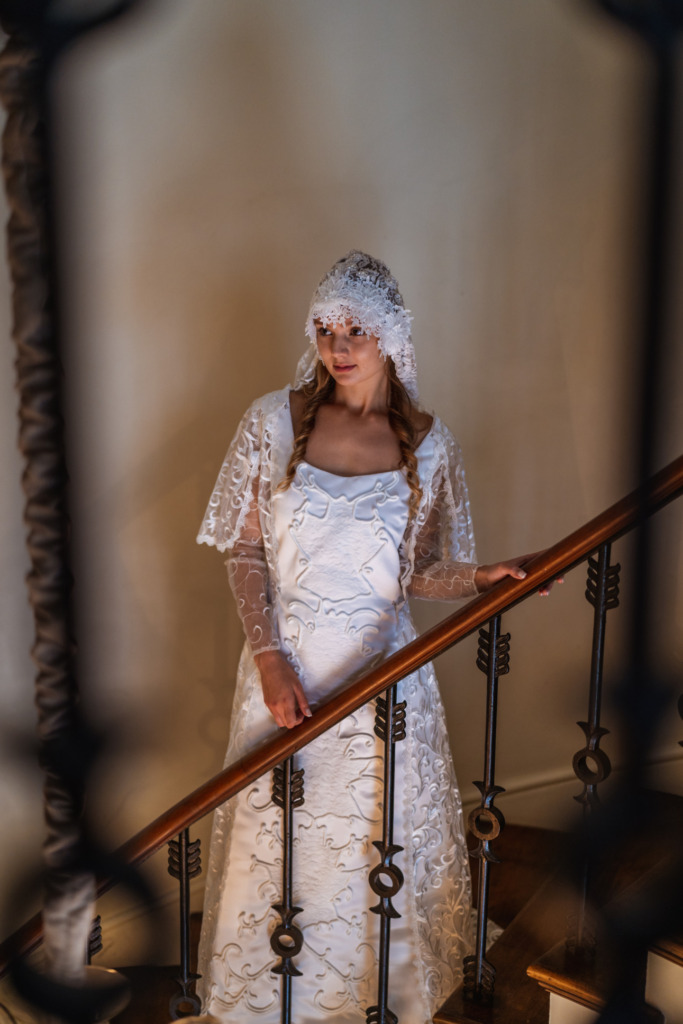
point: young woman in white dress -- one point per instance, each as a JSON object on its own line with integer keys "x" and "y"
{"x": 339, "y": 499}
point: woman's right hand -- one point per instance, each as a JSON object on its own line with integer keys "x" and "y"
{"x": 283, "y": 693}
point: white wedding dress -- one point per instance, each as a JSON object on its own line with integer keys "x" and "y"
{"x": 321, "y": 571}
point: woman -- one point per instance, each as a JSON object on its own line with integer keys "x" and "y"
{"x": 337, "y": 501}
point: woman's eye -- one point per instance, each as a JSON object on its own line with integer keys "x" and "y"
{"x": 357, "y": 332}
{"x": 323, "y": 332}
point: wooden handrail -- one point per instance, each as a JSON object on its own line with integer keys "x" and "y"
{"x": 615, "y": 521}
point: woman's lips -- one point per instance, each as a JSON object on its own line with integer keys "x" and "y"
{"x": 345, "y": 367}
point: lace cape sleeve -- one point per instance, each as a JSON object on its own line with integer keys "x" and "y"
{"x": 232, "y": 523}
{"x": 444, "y": 555}
{"x": 236, "y": 491}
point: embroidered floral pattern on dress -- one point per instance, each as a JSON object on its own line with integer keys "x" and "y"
{"x": 286, "y": 552}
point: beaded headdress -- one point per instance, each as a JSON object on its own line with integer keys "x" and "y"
{"x": 362, "y": 289}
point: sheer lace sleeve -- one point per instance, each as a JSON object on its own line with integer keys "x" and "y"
{"x": 445, "y": 557}
{"x": 250, "y": 582}
{"x": 232, "y": 523}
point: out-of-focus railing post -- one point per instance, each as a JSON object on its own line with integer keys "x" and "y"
{"x": 184, "y": 863}
{"x": 486, "y": 822}
{"x": 386, "y": 878}
{"x": 287, "y": 940}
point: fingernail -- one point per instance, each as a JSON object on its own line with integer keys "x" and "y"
{"x": 522, "y": 575}
{"x": 308, "y": 713}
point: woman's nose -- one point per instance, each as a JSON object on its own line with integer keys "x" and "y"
{"x": 340, "y": 341}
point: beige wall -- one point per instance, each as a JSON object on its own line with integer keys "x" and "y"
{"x": 219, "y": 157}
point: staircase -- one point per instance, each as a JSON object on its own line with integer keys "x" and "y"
{"x": 537, "y": 981}
{"x": 537, "y": 978}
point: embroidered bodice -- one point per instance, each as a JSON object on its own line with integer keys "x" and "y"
{"x": 436, "y": 555}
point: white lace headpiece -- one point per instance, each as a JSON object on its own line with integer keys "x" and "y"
{"x": 362, "y": 289}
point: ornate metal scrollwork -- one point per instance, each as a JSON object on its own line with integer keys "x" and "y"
{"x": 287, "y": 939}
{"x": 486, "y": 822}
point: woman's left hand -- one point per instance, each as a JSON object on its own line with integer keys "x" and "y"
{"x": 487, "y": 576}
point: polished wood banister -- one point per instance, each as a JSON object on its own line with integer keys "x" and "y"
{"x": 563, "y": 556}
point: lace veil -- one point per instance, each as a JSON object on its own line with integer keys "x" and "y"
{"x": 362, "y": 289}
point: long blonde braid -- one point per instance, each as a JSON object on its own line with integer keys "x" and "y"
{"x": 315, "y": 392}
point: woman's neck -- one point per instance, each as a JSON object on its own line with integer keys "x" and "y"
{"x": 362, "y": 399}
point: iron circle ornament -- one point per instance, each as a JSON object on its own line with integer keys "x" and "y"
{"x": 382, "y": 888}
{"x": 591, "y": 766}
{"x": 486, "y": 822}
{"x": 293, "y": 944}
{"x": 184, "y": 1005}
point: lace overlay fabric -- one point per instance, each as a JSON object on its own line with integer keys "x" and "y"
{"x": 322, "y": 570}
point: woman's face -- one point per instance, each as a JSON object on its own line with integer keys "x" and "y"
{"x": 349, "y": 355}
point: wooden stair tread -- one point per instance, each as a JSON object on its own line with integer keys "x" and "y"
{"x": 153, "y": 987}
{"x": 670, "y": 948}
{"x": 151, "y": 990}
{"x": 540, "y": 926}
{"x": 518, "y": 1000}
{"x": 528, "y": 856}
{"x": 644, "y": 874}
{"x": 586, "y": 982}
{"x": 583, "y": 983}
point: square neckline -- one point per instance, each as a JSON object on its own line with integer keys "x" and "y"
{"x": 349, "y": 476}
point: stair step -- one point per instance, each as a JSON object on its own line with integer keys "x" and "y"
{"x": 528, "y": 856}
{"x": 541, "y": 924}
{"x": 153, "y": 987}
{"x": 665, "y": 987}
{"x": 670, "y": 948}
{"x": 518, "y": 999}
{"x": 151, "y": 990}
{"x": 587, "y": 982}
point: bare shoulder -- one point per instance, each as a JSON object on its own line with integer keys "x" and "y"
{"x": 422, "y": 422}
{"x": 296, "y": 407}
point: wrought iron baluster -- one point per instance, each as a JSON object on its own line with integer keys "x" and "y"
{"x": 184, "y": 863}
{"x": 386, "y": 878}
{"x": 94, "y": 944}
{"x": 486, "y": 822}
{"x": 287, "y": 940}
{"x": 591, "y": 764}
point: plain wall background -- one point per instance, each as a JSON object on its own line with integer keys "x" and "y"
{"x": 216, "y": 159}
